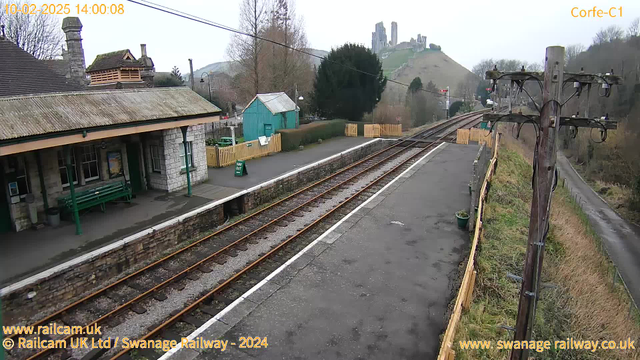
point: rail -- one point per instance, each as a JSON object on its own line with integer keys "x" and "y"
{"x": 465, "y": 293}
{"x": 402, "y": 144}
{"x": 160, "y": 328}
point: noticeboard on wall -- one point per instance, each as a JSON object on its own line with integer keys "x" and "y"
{"x": 114, "y": 160}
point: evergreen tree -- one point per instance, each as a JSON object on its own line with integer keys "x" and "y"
{"x": 341, "y": 91}
{"x": 175, "y": 72}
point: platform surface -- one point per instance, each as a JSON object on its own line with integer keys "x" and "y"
{"x": 377, "y": 287}
{"x": 28, "y": 252}
{"x": 272, "y": 166}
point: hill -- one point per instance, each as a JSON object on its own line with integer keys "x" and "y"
{"x": 430, "y": 65}
{"x": 228, "y": 68}
{"x": 222, "y": 66}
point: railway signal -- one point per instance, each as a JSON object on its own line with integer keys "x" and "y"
{"x": 545, "y": 175}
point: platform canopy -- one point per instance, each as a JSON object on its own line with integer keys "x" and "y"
{"x": 32, "y": 122}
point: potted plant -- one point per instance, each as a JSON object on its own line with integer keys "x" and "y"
{"x": 463, "y": 218}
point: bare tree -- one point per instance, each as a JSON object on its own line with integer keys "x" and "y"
{"x": 287, "y": 66}
{"x": 534, "y": 67}
{"x": 482, "y": 67}
{"x": 610, "y": 34}
{"x": 246, "y": 51}
{"x": 571, "y": 52}
{"x": 38, "y": 34}
{"x": 634, "y": 28}
{"x": 466, "y": 88}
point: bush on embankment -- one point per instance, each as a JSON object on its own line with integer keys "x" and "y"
{"x": 310, "y": 133}
{"x": 582, "y": 304}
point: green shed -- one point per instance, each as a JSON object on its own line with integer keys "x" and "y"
{"x": 267, "y": 113}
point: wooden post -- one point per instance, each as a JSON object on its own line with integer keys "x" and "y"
{"x": 544, "y": 167}
{"x": 467, "y": 299}
{"x": 191, "y": 75}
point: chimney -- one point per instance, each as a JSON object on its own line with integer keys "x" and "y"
{"x": 149, "y": 70}
{"x": 75, "y": 54}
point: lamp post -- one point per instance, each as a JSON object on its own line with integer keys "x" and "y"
{"x": 208, "y": 82}
{"x": 373, "y": 112}
{"x": 298, "y": 97}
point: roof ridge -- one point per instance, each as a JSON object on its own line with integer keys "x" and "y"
{"x": 91, "y": 92}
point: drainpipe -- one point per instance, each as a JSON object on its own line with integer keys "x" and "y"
{"x": 42, "y": 185}
{"x": 186, "y": 158}
{"x": 74, "y": 205}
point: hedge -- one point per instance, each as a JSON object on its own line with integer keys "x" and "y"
{"x": 310, "y": 133}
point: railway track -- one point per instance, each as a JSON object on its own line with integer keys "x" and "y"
{"x": 267, "y": 238}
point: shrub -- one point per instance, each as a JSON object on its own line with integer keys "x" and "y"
{"x": 310, "y": 133}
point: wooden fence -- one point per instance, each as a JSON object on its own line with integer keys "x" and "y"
{"x": 351, "y": 130}
{"x": 225, "y": 156}
{"x": 377, "y": 130}
{"x": 463, "y": 136}
{"x": 465, "y": 293}
{"x": 390, "y": 129}
{"x": 372, "y": 130}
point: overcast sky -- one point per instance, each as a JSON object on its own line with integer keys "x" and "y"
{"x": 468, "y": 31}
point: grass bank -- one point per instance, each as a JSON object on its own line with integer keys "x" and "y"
{"x": 584, "y": 303}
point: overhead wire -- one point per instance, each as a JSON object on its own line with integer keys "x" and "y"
{"x": 203, "y": 21}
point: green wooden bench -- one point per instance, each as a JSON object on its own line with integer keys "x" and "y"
{"x": 96, "y": 196}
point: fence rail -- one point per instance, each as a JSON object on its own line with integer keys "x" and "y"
{"x": 225, "y": 156}
{"x": 465, "y": 293}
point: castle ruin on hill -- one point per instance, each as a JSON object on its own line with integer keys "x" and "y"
{"x": 379, "y": 40}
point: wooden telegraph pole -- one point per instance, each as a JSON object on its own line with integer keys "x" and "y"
{"x": 544, "y": 178}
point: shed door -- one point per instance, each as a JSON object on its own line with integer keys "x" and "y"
{"x": 268, "y": 130}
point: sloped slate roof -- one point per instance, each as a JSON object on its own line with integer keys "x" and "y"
{"x": 59, "y": 66}
{"x": 276, "y": 102}
{"x": 23, "y": 116}
{"x": 113, "y": 60}
{"x": 21, "y": 73}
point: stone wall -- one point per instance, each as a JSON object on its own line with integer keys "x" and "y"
{"x": 68, "y": 285}
{"x": 53, "y": 183}
{"x": 280, "y": 187}
{"x": 173, "y": 147}
{"x": 477, "y": 178}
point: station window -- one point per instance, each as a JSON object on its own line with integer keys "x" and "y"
{"x": 156, "y": 158}
{"x": 189, "y": 155}
{"x": 21, "y": 185}
{"x": 22, "y": 179}
{"x": 90, "y": 163}
{"x": 63, "y": 169}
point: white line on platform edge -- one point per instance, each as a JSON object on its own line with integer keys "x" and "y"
{"x": 257, "y": 286}
{"x": 121, "y": 243}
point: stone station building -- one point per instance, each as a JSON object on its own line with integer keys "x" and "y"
{"x": 133, "y": 135}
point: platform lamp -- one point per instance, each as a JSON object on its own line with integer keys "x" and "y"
{"x": 301, "y": 98}
{"x": 208, "y": 82}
